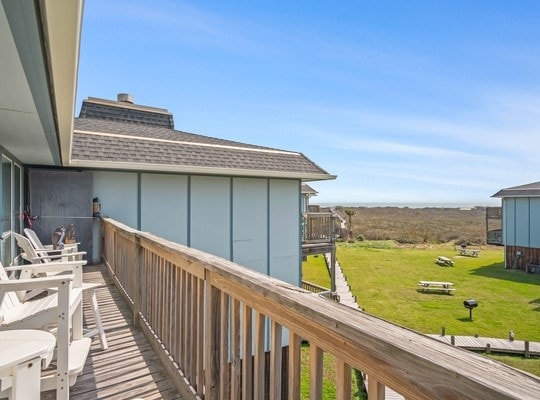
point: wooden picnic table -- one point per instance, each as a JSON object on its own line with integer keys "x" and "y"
{"x": 429, "y": 286}
{"x": 444, "y": 261}
{"x": 469, "y": 252}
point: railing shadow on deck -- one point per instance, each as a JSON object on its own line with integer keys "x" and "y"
{"x": 204, "y": 315}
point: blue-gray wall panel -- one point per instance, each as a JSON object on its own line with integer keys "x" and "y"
{"x": 250, "y": 223}
{"x": 522, "y": 222}
{"x": 535, "y": 221}
{"x": 509, "y": 233}
{"x": 210, "y": 223}
{"x": 285, "y": 230}
{"x": 117, "y": 192}
{"x": 164, "y": 206}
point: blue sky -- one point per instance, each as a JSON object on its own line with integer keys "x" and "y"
{"x": 406, "y": 101}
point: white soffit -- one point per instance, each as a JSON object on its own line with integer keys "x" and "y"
{"x": 21, "y": 129}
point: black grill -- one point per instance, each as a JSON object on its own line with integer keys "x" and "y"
{"x": 470, "y": 304}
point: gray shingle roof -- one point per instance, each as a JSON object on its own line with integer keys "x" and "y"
{"x": 127, "y": 145}
{"x": 528, "y": 190}
{"x": 109, "y": 110}
{"x": 306, "y": 189}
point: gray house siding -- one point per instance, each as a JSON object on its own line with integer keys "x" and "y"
{"x": 164, "y": 206}
{"x": 117, "y": 192}
{"x": 521, "y": 221}
{"x": 534, "y": 227}
{"x": 252, "y": 221}
{"x": 284, "y": 230}
{"x": 521, "y": 224}
{"x": 210, "y": 215}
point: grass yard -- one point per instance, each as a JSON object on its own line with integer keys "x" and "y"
{"x": 384, "y": 278}
{"x": 315, "y": 271}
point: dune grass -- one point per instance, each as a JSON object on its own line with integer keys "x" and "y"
{"x": 384, "y": 278}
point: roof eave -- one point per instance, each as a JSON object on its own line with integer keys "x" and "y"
{"x": 63, "y": 20}
{"x": 503, "y": 194}
{"x": 183, "y": 169}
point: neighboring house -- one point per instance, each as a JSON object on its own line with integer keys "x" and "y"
{"x": 235, "y": 200}
{"x": 307, "y": 193}
{"x": 521, "y": 225}
{"x": 238, "y": 201}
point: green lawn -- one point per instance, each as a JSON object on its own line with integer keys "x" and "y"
{"x": 384, "y": 279}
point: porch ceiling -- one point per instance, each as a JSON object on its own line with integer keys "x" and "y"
{"x": 39, "y": 43}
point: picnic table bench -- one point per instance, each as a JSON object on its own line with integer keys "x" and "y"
{"x": 469, "y": 252}
{"x": 444, "y": 261}
{"x": 429, "y": 286}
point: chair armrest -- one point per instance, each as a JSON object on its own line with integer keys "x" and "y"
{"x": 36, "y": 283}
{"x": 74, "y": 267}
{"x": 66, "y": 251}
{"x": 55, "y": 256}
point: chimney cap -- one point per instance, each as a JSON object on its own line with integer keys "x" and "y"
{"x": 125, "y": 98}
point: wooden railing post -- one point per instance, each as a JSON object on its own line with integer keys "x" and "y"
{"x": 211, "y": 340}
{"x": 137, "y": 295}
{"x": 222, "y": 313}
{"x": 294, "y": 366}
{"x": 343, "y": 380}
{"x": 275, "y": 360}
{"x": 333, "y": 267}
{"x": 376, "y": 390}
{"x": 315, "y": 372}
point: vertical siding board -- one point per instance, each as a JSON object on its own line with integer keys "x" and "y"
{"x": 249, "y": 223}
{"x": 535, "y": 222}
{"x": 285, "y": 245}
{"x": 522, "y": 222}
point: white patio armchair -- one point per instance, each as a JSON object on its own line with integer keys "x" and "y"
{"x": 70, "y": 251}
{"x": 35, "y": 256}
{"x": 63, "y": 308}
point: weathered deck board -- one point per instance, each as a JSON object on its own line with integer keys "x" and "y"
{"x": 129, "y": 368}
{"x": 497, "y": 345}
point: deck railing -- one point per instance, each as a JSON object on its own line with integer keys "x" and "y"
{"x": 494, "y": 212}
{"x": 319, "y": 227}
{"x": 205, "y": 315}
{"x": 494, "y": 236}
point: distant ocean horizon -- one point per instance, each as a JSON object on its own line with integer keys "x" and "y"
{"x": 411, "y": 204}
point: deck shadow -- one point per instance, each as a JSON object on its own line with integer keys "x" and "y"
{"x": 497, "y": 271}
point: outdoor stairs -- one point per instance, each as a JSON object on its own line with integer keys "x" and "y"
{"x": 343, "y": 289}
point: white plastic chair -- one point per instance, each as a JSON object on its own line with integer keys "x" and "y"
{"x": 31, "y": 254}
{"x": 63, "y": 308}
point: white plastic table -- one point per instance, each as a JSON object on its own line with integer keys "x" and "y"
{"x": 21, "y": 354}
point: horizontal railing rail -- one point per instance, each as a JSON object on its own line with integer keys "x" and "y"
{"x": 314, "y": 288}
{"x": 220, "y": 329}
{"x": 494, "y": 212}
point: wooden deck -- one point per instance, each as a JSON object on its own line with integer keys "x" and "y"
{"x": 129, "y": 369}
{"x": 495, "y": 345}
